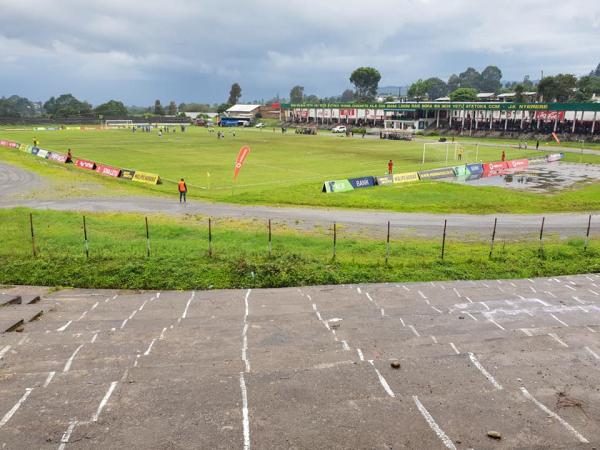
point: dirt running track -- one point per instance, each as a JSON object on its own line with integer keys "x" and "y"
{"x": 462, "y": 226}
{"x": 309, "y": 368}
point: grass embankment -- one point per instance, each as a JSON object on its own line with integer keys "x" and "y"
{"x": 288, "y": 170}
{"x": 179, "y": 259}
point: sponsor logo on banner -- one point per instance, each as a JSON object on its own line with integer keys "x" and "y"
{"x": 144, "y": 177}
{"x": 461, "y": 171}
{"x": 434, "y": 174}
{"x": 25, "y": 148}
{"x": 84, "y": 164}
{"x": 382, "y": 181}
{"x": 475, "y": 168}
{"x": 43, "y": 153}
{"x": 555, "y": 157}
{"x": 547, "y": 116}
{"x": 518, "y": 163}
{"x": 494, "y": 168}
{"x": 34, "y": 150}
{"x": 337, "y": 186}
{"x": 57, "y": 157}
{"x": 362, "y": 182}
{"x": 405, "y": 177}
{"x": 127, "y": 173}
{"x": 3, "y": 143}
{"x": 108, "y": 170}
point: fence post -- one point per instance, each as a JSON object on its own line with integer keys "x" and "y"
{"x": 542, "y": 236}
{"x": 85, "y": 240}
{"x": 387, "y": 244}
{"x": 587, "y": 234}
{"x": 209, "y": 237}
{"x": 334, "y": 238}
{"x": 270, "y": 245}
{"x": 444, "y": 239}
{"x": 147, "y": 238}
{"x": 493, "y": 238}
{"x": 32, "y": 234}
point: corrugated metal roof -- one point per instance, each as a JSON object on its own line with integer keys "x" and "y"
{"x": 243, "y": 108}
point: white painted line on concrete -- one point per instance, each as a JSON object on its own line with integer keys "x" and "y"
{"x": 143, "y": 304}
{"x": 319, "y": 316}
{"x": 562, "y": 421}
{"x": 526, "y": 331}
{"x": 314, "y": 307}
{"x": 187, "y": 306}
{"x": 23, "y": 340}
{"x": 497, "y": 324}
{"x": 94, "y": 338}
{"x": 500, "y": 289}
{"x": 485, "y": 305}
{"x": 70, "y": 360}
{"x": 358, "y": 290}
{"x": 149, "y": 349}
{"x": 558, "y": 320}
{"x": 132, "y": 314}
{"x": 542, "y": 302}
{"x": 162, "y": 333}
{"x": 456, "y": 292}
{"x": 94, "y": 306}
{"x": 413, "y": 329}
{"x": 485, "y": 373}
{"x": 382, "y": 380}
{"x": 583, "y": 309}
{"x": 435, "y": 309}
{"x": 14, "y": 409}
{"x": 434, "y": 339}
{"x": 471, "y": 316}
{"x": 427, "y": 301}
{"x": 49, "y": 378}
{"x": 512, "y": 284}
{"x": 405, "y": 288}
{"x": 486, "y": 285}
{"x": 557, "y": 339}
{"x": 64, "y": 327}
{"x": 532, "y": 289}
{"x": 360, "y": 354}
{"x": 530, "y": 280}
{"x": 469, "y": 300}
{"x": 421, "y": 294}
{"x": 345, "y": 345}
{"x": 433, "y": 425}
{"x": 578, "y": 300}
{"x": 382, "y": 312}
{"x": 82, "y": 316}
{"x": 370, "y": 298}
{"x": 520, "y": 297}
{"x": 111, "y": 388}
{"x": 556, "y": 279}
{"x": 550, "y": 294}
{"x": 402, "y": 322}
{"x": 593, "y": 292}
{"x": 124, "y": 323}
{"x": 591, "y": 329}
{"x": 570, "y": 287}
{"x": 592, "y": 352}
{"x": 245, "y": 415}
{"x": 64, "y": 440}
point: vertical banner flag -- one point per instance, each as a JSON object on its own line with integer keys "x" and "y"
{"x": 556, "y": 138}
{"x": 239, "y": 162}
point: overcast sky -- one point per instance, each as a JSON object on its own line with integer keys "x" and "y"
{"x": 186, "y": 50}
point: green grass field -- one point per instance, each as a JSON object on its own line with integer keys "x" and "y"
{"x": 286, "y": 170}
{"x": 179, "y": 260}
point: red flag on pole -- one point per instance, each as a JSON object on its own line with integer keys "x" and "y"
{"x": 556, "y": 138}
{"x": 239, "y": 162}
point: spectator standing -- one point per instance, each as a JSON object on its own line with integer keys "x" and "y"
{"x": 182, "y": 187}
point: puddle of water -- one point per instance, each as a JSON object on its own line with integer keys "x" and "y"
{"x": 538, "y": 178}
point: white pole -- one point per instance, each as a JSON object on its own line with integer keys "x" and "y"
{"x": 491, "y": 119}
{"x": 423, "y": 162}
{"x": 574, "y": 121}
{"x": 447, "y": 148}
{"x": 477, "y": 153}
{"x": 594, "y": 122}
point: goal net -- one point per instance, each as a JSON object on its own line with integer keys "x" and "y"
{"x": 118, "y": 123}
{"x": 440, "y": 152}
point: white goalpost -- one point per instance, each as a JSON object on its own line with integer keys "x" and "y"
{"x": 118, "y": 123}
{"x": 439, "y": 151}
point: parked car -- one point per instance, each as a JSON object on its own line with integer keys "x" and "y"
{"x": 339, "y": 129}
{"x": 259, "y": 125}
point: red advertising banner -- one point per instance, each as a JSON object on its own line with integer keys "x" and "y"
{"x": 4, "y": 143}
{"x": 239, "y": 162}
{"x": 10, "y": 144}
{"x": 84, "y": 164}
{"x": 108, "y": 170}
{"x": 347, "y": 112}
{"x": 57, "y": 157}
{"x": 550, "y": 115}
{"x": 518, "y": 163}
{"x": 494, "y": 168}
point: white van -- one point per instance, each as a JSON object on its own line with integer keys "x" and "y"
{"x": 339, "y": 129}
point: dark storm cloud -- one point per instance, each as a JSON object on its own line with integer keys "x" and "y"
{"x": 193, "y": 50}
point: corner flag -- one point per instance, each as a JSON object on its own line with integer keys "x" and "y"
{"x": 239, "y": 162}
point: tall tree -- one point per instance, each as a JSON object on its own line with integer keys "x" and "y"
{"x": 234, "y": 94}
{"x": 418, "y": 90}
{"x": 453, "y": 83}
{"x": 111, "y": 108}
{"x": 464, "y": 95}
{"x": 66, "y": 105}
{"x": 366, "y": 81}
{"x": 436, "y": 88}
{"x": 158, "y": 108}
{"x": 172, "y": 108}
{"x": 490, "y": 79}
{"x": 15, "y": 106}
{"x": 470, "y": 78}
{"x": 596, "y": 73}
{"x": 297, "y": 94}
{"x": 347, "y": 96}
{"x": 587, "y": 86}
{"x": 558, "y": 88}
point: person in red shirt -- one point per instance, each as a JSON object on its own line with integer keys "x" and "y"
{"x": 182, "y": 190}
{"x": 390, "y": 167}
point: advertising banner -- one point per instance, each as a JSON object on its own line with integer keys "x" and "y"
{"x": 57, "y": 157}
{"x": 494, "y": 168}
{"x": 548, "y": 116}
{"x": 43, "y": 153}
{"x": 34, "y": 150}
{"x": 84, "y": 164}
{"x": 405, "y": 177}
{"x": 144, "y": 177}
{"x": 3, "y": 143}
{"x": 469, "y": 106}
{"x": 518, "y": 163}
{"x": 337, "y": 186}
{"x": 434, "y": 174}
{"x": 362, "y": 182}
{"x": 475, "y": 168}
{"x": 108, "y": 170}
{"x": 25, "y": 148}
{"x": 537, "y": 160}
{"x": 555, "y": 157}
{"x": 384, "y": 180}
{"x": 461, "y": 171}
{"x": 127, "y": 173}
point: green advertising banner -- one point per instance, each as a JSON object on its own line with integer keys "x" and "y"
{"x": 337, "y": 186}
{"x": 461, "y": 171}
{"x": 483, "y": 106}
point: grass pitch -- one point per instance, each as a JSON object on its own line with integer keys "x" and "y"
{"x": 288, "y": 169}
